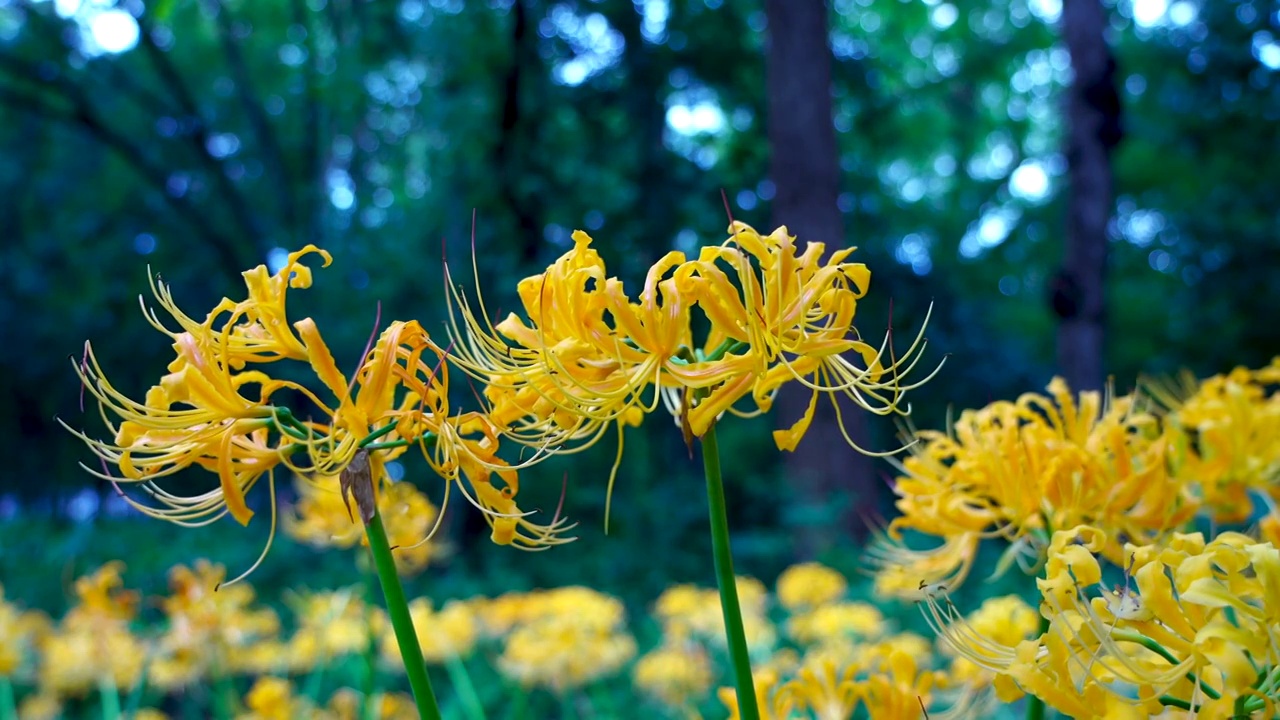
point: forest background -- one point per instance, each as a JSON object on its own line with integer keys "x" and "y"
{"x": 1119, "y": 225}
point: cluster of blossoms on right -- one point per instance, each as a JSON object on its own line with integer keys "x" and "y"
{"x": 1149, "y": 523}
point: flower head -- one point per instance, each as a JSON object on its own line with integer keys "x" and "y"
{"x": 20, "y": 632}
{"x": 1226, "y": 436}
{"x": 321, "y": 518}
{"x": 273, "y": 698}
{"x": 1019, "y": 470}
{"x": 1195, "y": 621}
{"x": 809, "y": 585}
{"x": 215, "y": 410}
{"x": 450, "y": 632}
{"x": 569, "y": 638}
{"x": 587, "y": 356}
{"x": 209, "y": 627}
{"x": 676, "y": 675}
{"x": 687, "y": 612}
{"x": 835, "y": 623}
{"x": 93, "y": 642}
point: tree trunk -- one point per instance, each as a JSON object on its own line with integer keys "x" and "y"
{"x": 804, "y": 167}
{"x": 1093, "y": 129}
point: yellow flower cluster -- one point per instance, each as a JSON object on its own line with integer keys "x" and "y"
{"x": 1194, "y": 627}
{"x": 809, "y": 585}
{"x": 1224, "y": 430}
{"x": 20, "y": 633}
{"x": 273, "y": 698}
{"x": 567, "y": 638}
{"x": 675, "y": 674}
{"x": 92, "y": 644}
{"x": 687, "y": 612}
{"x": 588, "y": 356}
{"x": 838, "y": 657}
{"x": 1017, "y": 471}
{"x": 679, "y": 671}
{"x": 450, "y": 632}
{"x": 836, "y": 623}
{"x": 214, "y": 410}
{"x": 331, "y": 625}
{"x": 322, "y": 519}
{"x": 211, "y": 631}
{"x": 1076, "y": 486}
{"x": 845, "y": 659}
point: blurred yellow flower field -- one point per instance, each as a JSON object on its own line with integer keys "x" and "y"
{"x": 564, "y": 645}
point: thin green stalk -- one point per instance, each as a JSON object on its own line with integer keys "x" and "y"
{"x": 1035, "y": 706}
{"x": 1157, "y": 648}
{"x": 371, "y": 650}
{"x": 520, "y": 705}
{"x": 8, "y": 704}
{"x": 134, "y": 700}
{"x": 461, "y": 681}
{"x": 1170, "y": 701}
{"x": 224, "y": 698}
{"x": 401, "y": 622}
{"x": 315, "y": 681}
{"x": 1239, "y": 709}
{"x": 747, "y": 706}
{"x": 110, "y": 697}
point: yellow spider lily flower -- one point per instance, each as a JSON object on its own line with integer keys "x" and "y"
{"x": 215, "y": 425}
{"x": 821, "y": 689}
{"x": 765, "y": 682}
{"x": 809, "y": 585}
{"x": 201, "y": 414}
{"x": 1225, "y": 433}
{"x": 588, "y": 353}
{"x": 1019, "y": 470}
{"x": 322, "y": 519}
{"x": 567, "y": 638}
{"x": 587, "y": 357}
{"x": 92, "y": 643}
{"x": 796, "y": 314}
{"x": 900, "y": 689}
{"x": 1195, "y": 625}
{"x": 443, "y": 634}
{"x": 885, "y": 678}
{"x": 836, "y": 623}
{"x": 218, "y": 429}
{"x": 256, "y": 329}
{"x": 675, "y": 675}
{"x": 570, "y": 374}
{"x": 209, "y": 627}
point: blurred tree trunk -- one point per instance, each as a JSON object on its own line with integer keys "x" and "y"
{"x": 1093, "y": 129}
{"x": 804, "y": 166}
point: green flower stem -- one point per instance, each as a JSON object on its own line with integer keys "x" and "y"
{"x": 1035, "y": 706}
{"x": 1157, "y": 648}
{"x": 1170, "y": 701}
{"x": 461, "y": 681}
{"x": 747, "y": 707}
{"x": 224, "y": 697}
{"x": 134, "y": 699}
{"x": 370, "y": 711}
{"x": 8, "y": 704}
{"x": 110, "y": 697}
{"x": 398, "y": 608}
{"x": 1269, "y": 682}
